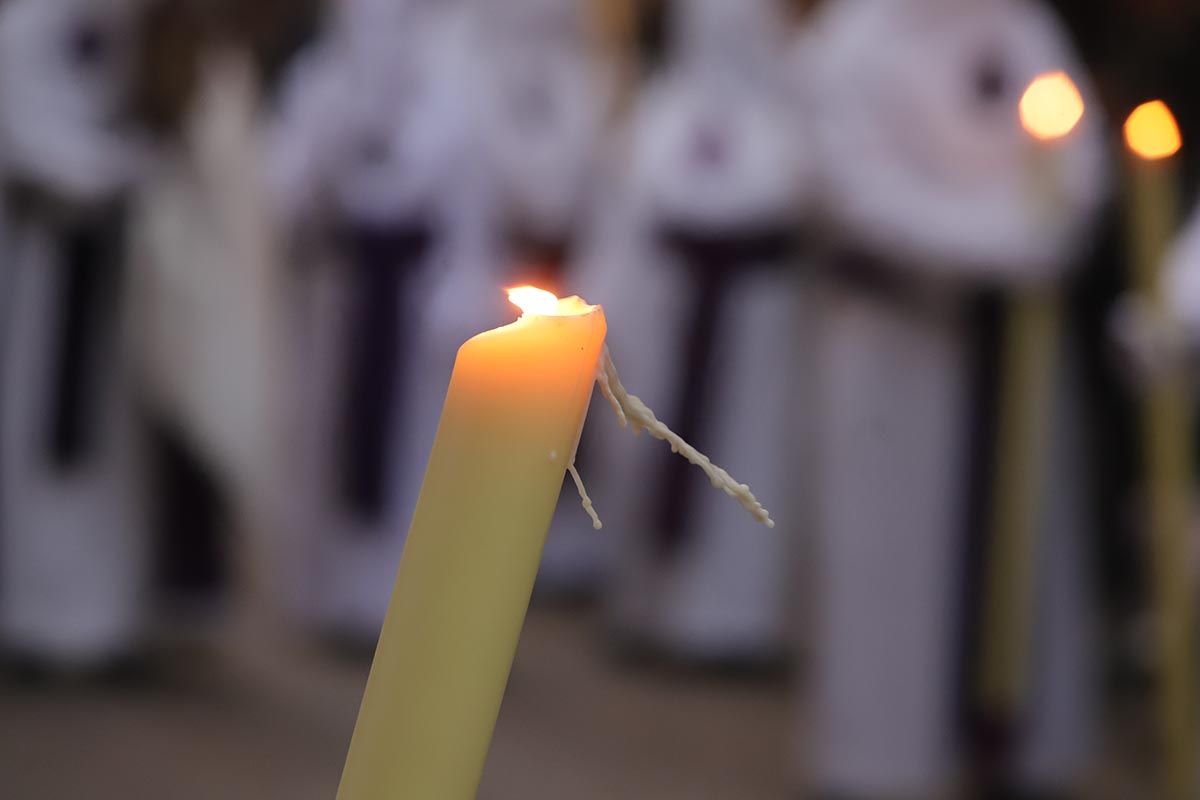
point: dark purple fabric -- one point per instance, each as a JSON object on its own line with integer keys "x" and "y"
{"x": 383, "y": 318}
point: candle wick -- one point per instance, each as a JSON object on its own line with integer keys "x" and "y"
{"x": 633, "y": 413}
{"x": 583, "y": 497}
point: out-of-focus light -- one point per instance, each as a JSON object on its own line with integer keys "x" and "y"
{"x": 1051, "y": 106}
{"x": 1151, "y": 132}
{"x": 533, "y": 301}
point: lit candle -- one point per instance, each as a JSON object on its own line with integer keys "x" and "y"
{"x": 515, "y": 407}
{"x": 511, "y": 423}
{"x": 1050, "y": 109}
{"x": 1153, "y": 139}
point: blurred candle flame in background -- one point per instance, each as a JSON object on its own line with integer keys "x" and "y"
{"x": 1151, "y": 132}
{"x": 1051, "y": 106}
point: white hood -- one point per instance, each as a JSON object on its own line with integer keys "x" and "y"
{"x": 923, "y": 153}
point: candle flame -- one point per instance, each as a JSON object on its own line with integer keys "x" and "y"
{"x": 534, "y": 301}
{"x": 1151, "y": 132}
{"x": 1051, "y": 106}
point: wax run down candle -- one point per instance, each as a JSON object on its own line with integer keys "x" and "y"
{"x": 514, "y": 412}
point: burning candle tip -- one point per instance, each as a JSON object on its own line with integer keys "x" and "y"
{"x": 1151, "y": 131}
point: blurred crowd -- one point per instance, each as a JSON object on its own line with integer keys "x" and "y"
{"x": 240, "y": 244}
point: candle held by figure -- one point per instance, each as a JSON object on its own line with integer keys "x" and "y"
{"x": 510, "y": 426}
{"x": 1153, "y": 138}
{"x": 1050, "y": 109}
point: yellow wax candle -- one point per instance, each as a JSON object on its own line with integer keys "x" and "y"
{"x": 1153, "y": 138}
{"x": 513, "y": 414}
{"x": 1050, "y": 109}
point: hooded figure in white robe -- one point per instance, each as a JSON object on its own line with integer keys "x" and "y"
{"x": 695, "y": 261}
{"x": 73, "y": 544}
{"x": 934, "y": 196}
{"x": 391, "y": 270}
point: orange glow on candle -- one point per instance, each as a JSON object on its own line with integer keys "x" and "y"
{"x": 1051, "y": 106}
{"x": 1151, "y": 132}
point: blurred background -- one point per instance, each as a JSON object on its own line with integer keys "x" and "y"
{"x": 922, "y": 272}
